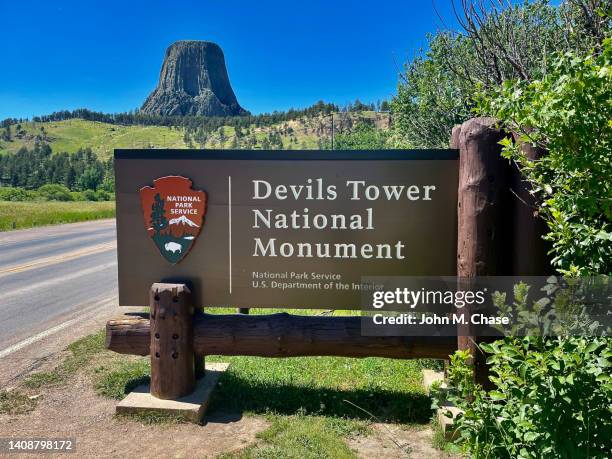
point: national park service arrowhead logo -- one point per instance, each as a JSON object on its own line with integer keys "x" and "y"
{"x": 173, "y": 215}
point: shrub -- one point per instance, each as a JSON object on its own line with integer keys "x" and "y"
{"x": 104, "y": 195}
{"x": 497, "y": 41}
{"x": 90, "y": 195}
{"x": 552, "y": 398}
{"x": 55, "y": 192}
{"x": 568, "y": 112}
{"x": 364, "y": 136}
{"x": 16, "y": 194}
{"x": 77, "y": 196}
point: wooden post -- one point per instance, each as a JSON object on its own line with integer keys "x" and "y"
{"x": 454, "y": 141}
{"x": 529, "y": 257}
{"x": 171, "y": 338}
{"x": 483, "y": 245}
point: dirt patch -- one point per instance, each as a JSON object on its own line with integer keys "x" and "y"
{"x": 77, "y": 412}
{"x": 390, "y": 441}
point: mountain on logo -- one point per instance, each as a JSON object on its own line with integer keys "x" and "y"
{"x": 182, "y": 220}
{"x": 181, "y": 227}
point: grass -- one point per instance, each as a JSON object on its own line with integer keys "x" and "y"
{"x": 70, "y": 135}
{"x": 300, "y": 436}
{"x": 324, "y": 386}
{"x": 16, "y": 215}
{"x": 440, "y": 442}
{"x": 320, "y": 386}
{"x": 16, "y": 402}
{"x": 81, "y": 353}
{"x": 116, "y": 378}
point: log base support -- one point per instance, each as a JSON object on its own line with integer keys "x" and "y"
{"x": 190, "y": 408}
{"x": 281, "y": 335}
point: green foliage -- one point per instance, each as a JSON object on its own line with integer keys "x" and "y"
{"x": 500, "y": 41}
{"x": 103, "y": 195}
{"x": 6, "y": 134}
{"x": 55, "y": 192}
{"x": 568, "y": 112}
{"x": 430, "y": 98}
{"x": 364, "y": 136}
{"x": 552, "y": 398}
{"x": 91, "y": 177}
{"x": 572, "y": 306}
{"x": 33, "y": 168}
{"x": 16, "y": 194}
{"x": 89, "y": 195}
{"x": 108, "y": 184}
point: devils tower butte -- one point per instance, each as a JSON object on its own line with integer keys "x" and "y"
{"x": 193, "y": 81}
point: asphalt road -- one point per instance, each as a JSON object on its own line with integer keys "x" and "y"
{"x": 52, "y": 277}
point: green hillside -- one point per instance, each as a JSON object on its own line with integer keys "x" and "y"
{"x": 70, "y": 135}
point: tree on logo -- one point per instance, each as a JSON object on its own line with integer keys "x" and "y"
{"x": 158, "y": 217}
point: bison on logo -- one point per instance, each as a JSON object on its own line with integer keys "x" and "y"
{"x": 173, "y": 215}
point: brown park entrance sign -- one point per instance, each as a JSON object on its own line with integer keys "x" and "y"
{"x": 282, "y": 229}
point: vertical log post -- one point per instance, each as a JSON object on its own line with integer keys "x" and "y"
{"x": 172, "y": 355}
{"x": 529, "y": 257}
{"x": 482, "y": 243}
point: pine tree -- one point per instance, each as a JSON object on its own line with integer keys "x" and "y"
{"x": 158, "y": 215}
{"x": 6, "y": 135}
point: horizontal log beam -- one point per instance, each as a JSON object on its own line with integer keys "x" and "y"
{"x": 281, "y": 335}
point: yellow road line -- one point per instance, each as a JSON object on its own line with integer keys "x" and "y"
{"x": 59, "y": 258}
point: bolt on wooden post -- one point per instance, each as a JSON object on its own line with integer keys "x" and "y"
{"x": 172, "y": 355}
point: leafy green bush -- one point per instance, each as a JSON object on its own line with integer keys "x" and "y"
{"x": 90, "y": 195}
{"x": 16, "y": 194}
{"x": 499, "y": 41}
{"x": 55, "y": 192}
{"x": 568, "y": 112}
{"x": 103, "y": 195}
{"x": 77, "y": 196}
{"x": 364, "y": 136}
{"x": 430, "y": 98}
{"x": 552, "y": 398}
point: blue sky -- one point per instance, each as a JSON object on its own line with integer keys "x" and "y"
{"x": 106, "y": 55}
